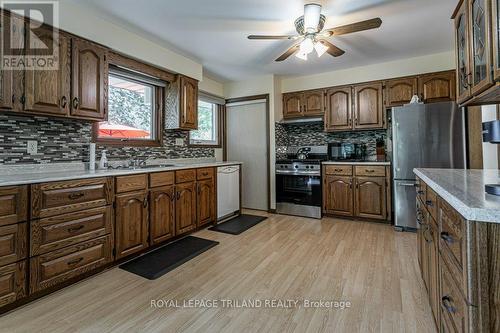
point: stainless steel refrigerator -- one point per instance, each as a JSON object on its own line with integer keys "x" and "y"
{"x": 423, "y": 136}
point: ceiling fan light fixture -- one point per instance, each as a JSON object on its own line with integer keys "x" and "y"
{"x": 301, "y": 55}
{"x": 320, "y": 48}
{"x": 312, "y": 12}
{"x": 307, "y": 46}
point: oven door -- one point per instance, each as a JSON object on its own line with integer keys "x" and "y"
{"x": 298, "y": 189}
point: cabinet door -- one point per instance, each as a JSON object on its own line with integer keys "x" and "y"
{"x": 12, "y": 282}
{"x": 162, "y": 214}
{"x": 337, "y": 195}
{"x": 438, "y": 87}
{"x": 206, "y": 201}
{"x": 48, "y": 91}
{"x": 6, "y": 76}
{"x": 13, "y": 243}
{"x": 185, "y": 207}
{"x": 188, "y": 103}
{"x": 368, "y": 106}
{"x": 292, "y": 105}
{"x": 496, "y": 38}
{"x": 131, "y": 223}
{"x": 480, "y": 46}
{"x": 462, "y": 53}
{"x": 338, "y": 114}
{"x": 89, "y": 80}
{"x": 13, "y": 204}
{"x": 433, "y": 271}
{"x": 399, "y": 92}
{"x": 370, "y": 197}
{"x": 314, "y": 103}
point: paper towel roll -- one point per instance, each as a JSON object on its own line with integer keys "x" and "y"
{"x": 92, "y": 156}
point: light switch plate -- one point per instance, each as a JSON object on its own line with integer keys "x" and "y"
{"x": 179, "y": 142}
{"x": 32, "y": 147}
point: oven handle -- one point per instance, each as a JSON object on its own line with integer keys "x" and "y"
{"x": 292, "y": 173}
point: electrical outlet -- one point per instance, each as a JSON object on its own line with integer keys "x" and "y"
{"x": 179, "y": 142}
{"x": 32, "y": 147}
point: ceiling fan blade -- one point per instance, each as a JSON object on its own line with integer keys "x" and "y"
{"x": 272, "y": 37}
{"x": 355, "y": 27}
{"x": 332, "y": 49}
{"x": 288, "y": 52}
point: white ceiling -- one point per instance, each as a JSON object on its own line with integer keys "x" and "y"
{"x": 214, "y": 32}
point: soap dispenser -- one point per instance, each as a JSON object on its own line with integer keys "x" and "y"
{"x": 103, "y": 163}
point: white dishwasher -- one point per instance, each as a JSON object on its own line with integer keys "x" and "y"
{"x": 228, "y": 191}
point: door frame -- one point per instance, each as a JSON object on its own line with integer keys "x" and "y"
{"x": 268, "y": 139}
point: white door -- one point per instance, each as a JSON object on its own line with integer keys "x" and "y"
{"x": 247, "y": 143}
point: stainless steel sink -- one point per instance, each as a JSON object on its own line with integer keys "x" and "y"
{"x": 151, "y": 166}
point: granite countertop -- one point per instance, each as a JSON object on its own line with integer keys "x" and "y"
{"x": 67, "y": 171}
{"x": 359, "y": 163}
{"x": 464, "y": 191}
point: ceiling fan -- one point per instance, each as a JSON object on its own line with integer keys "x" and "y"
{"x": 311, "y": 35}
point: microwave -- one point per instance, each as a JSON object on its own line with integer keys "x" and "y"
{"x": 338, "y": 151}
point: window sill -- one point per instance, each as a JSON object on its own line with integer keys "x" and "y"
{"x": 128, "y": 143}
{"x": 198, "y": 145}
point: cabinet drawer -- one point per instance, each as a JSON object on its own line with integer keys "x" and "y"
{"x": 49, "y": 199}
{"x": 204, "y": 173}
{"x": 339, "y": 170}
{"x": 431, "y": 202}
{"x": 131, "y": 183}
{"x": 13, "y": 204}
{"x": 158, "y": 179}
{"x": 56, "y": 232}
{"x": 370, "y": 170}
{"x": 452, "y": 301}
{"x": 13, "y": 243}
{"x": 12, "y": 282}
{"x": 452, "y": 234}
{"x": 183, "y": 176}
{"x": 52, "y": 268}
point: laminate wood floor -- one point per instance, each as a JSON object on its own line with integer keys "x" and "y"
{"x": 283, "y": 258}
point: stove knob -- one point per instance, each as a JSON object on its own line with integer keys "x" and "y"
{"x": 296, "y": 166}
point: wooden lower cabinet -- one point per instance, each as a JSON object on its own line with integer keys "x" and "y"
{"x": 50, "y": 269}
{"x": 131, "y": 223}
{"x": 206, "y": 201}
{"x": 12, "y": 282}
{"x": 13, "y": 204}
{"x": 161, "y": 214}
{"x": 338, "y": 195}
{"x": 370, "y": 197}
{"x": 185, "y": 207}
{"x": 13, "y": 243}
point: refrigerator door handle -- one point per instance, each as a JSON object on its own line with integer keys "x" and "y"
{"x": 408, "y": 184}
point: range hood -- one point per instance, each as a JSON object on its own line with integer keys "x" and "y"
{"x": 301, "y": 120}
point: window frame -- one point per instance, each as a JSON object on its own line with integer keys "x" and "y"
{"x": 219, "y": 120}
{"x": 141, "y": 69}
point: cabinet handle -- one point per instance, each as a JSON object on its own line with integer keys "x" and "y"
{"x": 145, "y": 202}
{"x": 64, "y": 102}
{"x": 446, "y": 237}
{"x": 74, "y": 196}
{"x": 198, "y": 188}
{"x": 172, "y": 196}
{"x": 22, "y": 99}
{"x": 338, "y": 170}
{"x": 204, "y": 174}
{"x": 420, "y": 192}
{"x": 370, "y": 170}
{"x": 76, "y": 103}
{"x": 74, "y": 262}
{"x": 446, "y": 301}
{"x": 429, "y": 203}
{"x": 13, "y": 98}
{"x": 178, "y": 195}
{"x": 74, "y": 229}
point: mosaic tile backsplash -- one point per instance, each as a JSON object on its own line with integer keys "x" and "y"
{"x": 313, "y": 134}
{"x": 62, "y": 140}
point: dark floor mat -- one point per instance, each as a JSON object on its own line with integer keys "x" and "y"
{"x": 161, "y": 261}
{"x": 238, "y": 224}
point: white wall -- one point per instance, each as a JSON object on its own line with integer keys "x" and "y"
{"x": 412, "y": 66}
{"x": 490, "y": 150}
{"x": 83, "y": 22}
{"x": 211, "y": 86}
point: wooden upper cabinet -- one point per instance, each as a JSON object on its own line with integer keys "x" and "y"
{"x": 292, "y": 105}
{"x": 462, "y": 53}
{"x": 188, "y": 103}
{"x": 338, "y": 195}
{"x": 206, "y": 201}
{"x": 89, "y": 80}
{"x": 48, "y": 91}
{"x": 6, "y": 76}
{"x": 131, "y": 223}
{"x": 480, "y": 45}
{"x": 437, "y": 87}
{"x": 496, "y": 38}
{"x": 314, "y": 103}
{"x": 185, "y": 207}
{"x": 400, "y": 91}
{"x": 338, "y": 113}
{"x": 370, "y": 197}
{"x": 368, "y": 106}
{"x": 162, "y": 214}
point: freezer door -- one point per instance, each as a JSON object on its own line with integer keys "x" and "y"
{"x": 405, "y": 197}
{"x": 427, "y": 136}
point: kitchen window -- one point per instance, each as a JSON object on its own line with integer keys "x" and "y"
{"x": 134, "y": 110}
{"x": 208, "y": 133}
